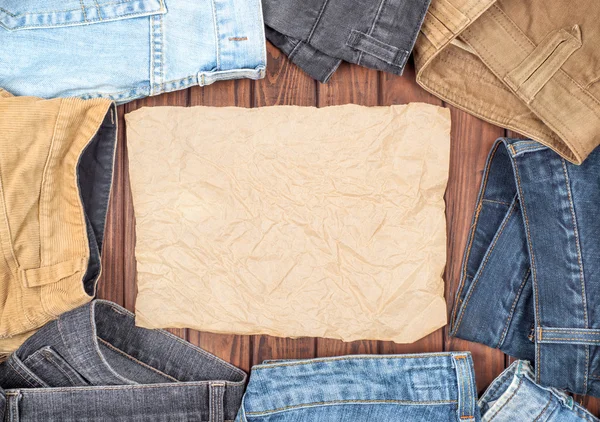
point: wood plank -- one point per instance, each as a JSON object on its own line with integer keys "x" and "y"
{"x": 235, "y": 349}
{"x": 471, "y": 142}
{"x": 403, "y": 90}
{"x": 350, "y": 84}
{"x": 284, "y": 84}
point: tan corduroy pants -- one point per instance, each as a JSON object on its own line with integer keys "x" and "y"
{"x": 56, "y": 162}
{"x": 531, "y": 66}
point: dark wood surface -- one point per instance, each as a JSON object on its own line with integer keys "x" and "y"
{"x": 286, "y": 84}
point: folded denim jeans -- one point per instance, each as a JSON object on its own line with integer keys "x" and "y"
{"x": 56, "y": 166}
{"x": 530, "y": 277}
{"x": 318, "y": 34}
{"x": 93, "y": 364}
{"x": 128, "y": 49}
{"x": 436, "y": 387}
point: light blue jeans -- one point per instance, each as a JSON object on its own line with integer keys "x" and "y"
{"x": 127, "y": 49}
{"x": 436, "y": 387}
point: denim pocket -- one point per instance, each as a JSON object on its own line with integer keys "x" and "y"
{"x": 55, "y": 371}
{"x": 33, "y": 14}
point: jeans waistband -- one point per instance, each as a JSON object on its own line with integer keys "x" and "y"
{"x": 425, "y": 379}
{"x": 96, "y": 355}
{"x": 528, "y": 276}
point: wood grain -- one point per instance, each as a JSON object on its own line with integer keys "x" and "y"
{"x": 285, "y": 84}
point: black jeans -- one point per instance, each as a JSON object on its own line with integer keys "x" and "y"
{"x": 94, "y": 364}
{"x": 318, "y": 34}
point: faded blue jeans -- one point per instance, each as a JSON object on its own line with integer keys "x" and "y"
{"x": 94, "y": 364}
{"x": 530, "y": 282}
{"x": 127, "y": 49}
{"x": 436, "y": 387}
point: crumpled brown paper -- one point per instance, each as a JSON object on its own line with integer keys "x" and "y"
{"x": 291, "y": 221}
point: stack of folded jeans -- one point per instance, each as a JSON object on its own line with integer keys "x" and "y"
{"x": 94, "y": 364}
{"x": 529, "y": 282}
{"x": 436, "y": 387}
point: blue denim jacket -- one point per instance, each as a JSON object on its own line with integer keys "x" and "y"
{"x": 127, "y": 49}
{"x": 530, "y": 281}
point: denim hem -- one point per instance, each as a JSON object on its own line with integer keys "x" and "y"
{"x": 199, "y": 79}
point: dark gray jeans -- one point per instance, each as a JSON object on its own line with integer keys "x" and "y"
{"x": 94, "y": 364}
{"x": 318, "y": 34}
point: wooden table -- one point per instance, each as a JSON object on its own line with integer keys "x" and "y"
{"x": 285, "y": 84}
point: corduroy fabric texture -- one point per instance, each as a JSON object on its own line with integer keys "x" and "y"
{"x": 53, "y": 197}
{"x": 532, "y": 66}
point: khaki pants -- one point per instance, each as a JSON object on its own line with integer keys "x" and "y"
{"x": 533, "y": 67}
{"x": 56, "y": 162}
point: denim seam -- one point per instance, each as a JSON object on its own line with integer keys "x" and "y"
{"x": 188, "y": 345}
{"x": 581, "y": 274}
{"x": 424, "y": 7}
{"x": 317, "y": 21}
{"x": 98, "y": 9}
{"x": 544, "y": 409}
{"x": 295, "y": 49}
{"x": 474, "y": 224}
{"x": 528, "y": 148}
{"x": 51, "y": 390}
{"x": 216, "y": 360}
{"x": 532, "y": 264}
{"x": 512, "y": 309}
{"x": 372, "y": 28}
{"x": 349, "y": 358}
{"x": 577, "y": 242}
{"x": 507, "y": 400}
{"x": 50, "y": 359}
{"x": 496, "y": 385}
{"x": 573, "y": 331}
{"x": 60, "y": 11}
{"x": 121, "y": 17}
{"x": 83, "y": 11}
{"x": 134, "y": 360}
{"x": 24, "y": 374}
{"x": 484, "y": 264}
{"x": 342, "y": 402}
{"x": 62, "y": 370}
{"x": 492, "y": 201}
{"x": 217, "y": 35}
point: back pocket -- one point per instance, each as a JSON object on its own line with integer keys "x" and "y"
{"x": 51, "y": 368}
{"x": 36, "y": 14}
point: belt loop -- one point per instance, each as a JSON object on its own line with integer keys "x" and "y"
{"x": 11, "y": 406}
{"x": 2, "y": 404}
{"x": 466, "y": 387}
{"x": 543, "y": 62}
{"x": 216, "y": 395}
